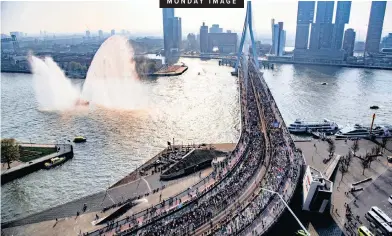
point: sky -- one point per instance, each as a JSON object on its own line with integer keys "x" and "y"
{"x": 144, "y": 17}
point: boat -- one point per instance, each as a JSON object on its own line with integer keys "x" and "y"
{"x": 79, "y": 139}
{"x": 358, "y": 131}
{"x": 325, "y": 126}
{"x": 374, "y": 107}
{"x": 81, "y": 102}
{"x": 54, "y": 162}
{"x": 323, "y": 83}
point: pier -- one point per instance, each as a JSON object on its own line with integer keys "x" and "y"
{"x": 64, "y": 150}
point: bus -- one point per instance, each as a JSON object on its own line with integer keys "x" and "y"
{"x": 373, "y": 217}
{"x": 382, "y": 215}
{"x": 377, "y": 220}
{"x": 363, "y": 231}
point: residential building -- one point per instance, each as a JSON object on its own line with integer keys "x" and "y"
{"x": 100, "y": 34}
{"x": 375, "y": 25}
{"x": 168, "y": 25}
{"x": 322, "y": 29}
{"x": 305, "y": 17}
{"x": 349, "y": 42}
{"x": 112, "y": 32}
{"x": 278, "y": 38}
{"x": 341, "y": 19}
{"x": 172, "y": 32}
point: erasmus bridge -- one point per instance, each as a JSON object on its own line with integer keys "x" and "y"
{"x": 248, "y": 192}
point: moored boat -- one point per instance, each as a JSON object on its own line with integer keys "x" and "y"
{"x": 306, "y": 127}
{"x": 358, "y": 131}
{"x": 54, "y": 162}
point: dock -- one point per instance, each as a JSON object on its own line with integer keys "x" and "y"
{"x": 65, "y": 150}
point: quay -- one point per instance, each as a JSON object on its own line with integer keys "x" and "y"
{"x": 375, "y": 191}
{"x": 63, "y": 150}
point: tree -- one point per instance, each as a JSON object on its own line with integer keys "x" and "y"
{"x": 355, "y": 146}
{"x": 383, "y": 144}
{"x": 331, "y": 147}
{"x": 349, "y": 158}
{"x": 377, "y": 150}
{"x": 9, "y": 151}
{"x": 365, "y": 162}
{"x": 343, "y": 167}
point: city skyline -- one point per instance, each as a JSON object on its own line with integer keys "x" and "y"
{"x": 121, "y": 15}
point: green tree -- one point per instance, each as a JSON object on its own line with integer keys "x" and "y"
{"x": 355, "y": 146}
{"x": 9, "y": 151}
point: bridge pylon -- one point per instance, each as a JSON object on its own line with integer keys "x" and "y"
{"x": 247, "y": 25}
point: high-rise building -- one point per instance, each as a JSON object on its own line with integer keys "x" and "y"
{"x": 376, "y": 21}
{"x": 172, "y": 32}
{"x": 305, "y": 16}
{"x": 387, "y": 41}
{"x": 349, "y": 42}
{"x": 278, "y": 38}
{"x": 324, "y": 11}
{"x": 112, "y": 32}
{"x": 168, "y": 25}
{"x": 204, "y": 38}
{"x": 322, "y": 29}
{"x": 87, "y": 33}
{"x": 100, "y": 34}
{"x": 342, "y": 17}
{"x": 216, "y": 29}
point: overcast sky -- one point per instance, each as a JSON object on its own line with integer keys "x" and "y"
{"x": 145, "y": 17}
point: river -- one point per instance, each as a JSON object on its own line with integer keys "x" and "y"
{"x": 191, "y": 108}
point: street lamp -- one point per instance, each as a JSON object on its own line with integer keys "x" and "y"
{"x": 296, "y": 218}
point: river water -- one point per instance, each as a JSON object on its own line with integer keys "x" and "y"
{"x": 192, "y": 108}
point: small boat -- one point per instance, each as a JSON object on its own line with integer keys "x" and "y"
{"x": 374, "y": 107}
{"x": 81, "y": 102}
{"x": 324, "y": 83}
{"x": 54, "y": 162}
{"x": 199, "y": 73}
{"x": 79, "y": 139}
